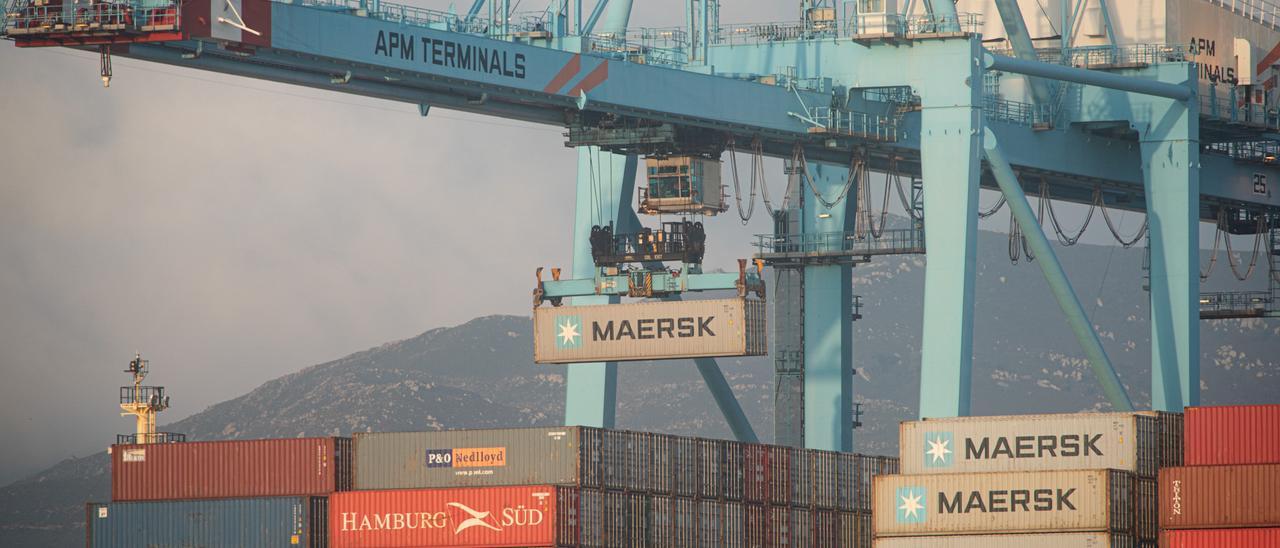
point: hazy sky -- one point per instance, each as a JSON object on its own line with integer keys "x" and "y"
{"x": 235, "y": 230}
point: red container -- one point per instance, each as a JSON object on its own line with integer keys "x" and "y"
{"x": 487, "y": 516}
{"x": 1256, "y": 537}
{"x": 1210, "y": 497}
{"x": 230, "y": 469}
{"x": 1243, "y": 434}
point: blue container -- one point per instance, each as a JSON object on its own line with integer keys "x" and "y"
{"x": 250, "y": 523}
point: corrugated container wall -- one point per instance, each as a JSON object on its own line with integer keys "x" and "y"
{"x": 494, "y": 516}
{"x": 1017, "y": 502}
{"x": 1203, "y": 497}
{"x": 1137, "y": 442}
{"x": 1034, "y": 540}
{"x": 1254, "y": 537}
{"x": 650, "y": 331}
{"x": 243, "y": 523}
{"x": 229, "y": 469}
{"x": 1246, "y": 434}
{"x": 539, "y": 516}
{"x": 618, "y": 460}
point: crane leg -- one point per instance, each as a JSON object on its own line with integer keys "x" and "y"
{"x": 950, "y": 151}
{"x": 605, "y": 185}
{"x": 1171, "y": 176}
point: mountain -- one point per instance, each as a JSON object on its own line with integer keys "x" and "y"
{"x": 480, "y": 375}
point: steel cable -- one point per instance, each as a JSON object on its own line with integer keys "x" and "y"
{"x": 854, "y": 166}
{"x": 1053, "y": 216}
{"x": 1116, "y": 233}
{"x": 1257, "y": 244}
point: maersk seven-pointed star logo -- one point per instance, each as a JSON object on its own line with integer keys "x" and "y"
{"x": 910, "y": 504}
{"x": 938, "y": 449}
{"x": 568, "y": 331}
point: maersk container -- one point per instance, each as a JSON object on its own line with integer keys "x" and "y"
{"x": 247, "y": 523}
{"x": 1252, "y": 537}
{"x": 654, "y": 330}
{"x": 1206, "y": 497}
{"x": 230, "y": 469}
{"x": 1011, "y": 502}
{"x": 1243, "y": 434}
{"x": 1032, "y": 540}
{"x": 1137, "y": 442}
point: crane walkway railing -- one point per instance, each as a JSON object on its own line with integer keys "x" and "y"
{"x": 838, "y": 245}
{"x": 1238, "y": 304}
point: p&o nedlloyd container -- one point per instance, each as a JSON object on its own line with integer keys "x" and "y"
{"x": 229, "y": 469}
{"x": 650, "y": 331}
{"x": 1204, "y": 497}
{"x": 1136, "y": 442}
{"x": 1025, "y": 540}
{"x": 1014, "y": 502}
{"x": 247, "y": 523}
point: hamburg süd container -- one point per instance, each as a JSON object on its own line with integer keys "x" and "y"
{"x": 247, "y": 523}
{"x": 1251, "y": 537}
{"x": 230, "y": 469}
{"x": 1025, "y": 540}
{"x": 1013, "y": 502}
{"x": 493, "y": 516}
{"x": 1206, "y": 497}
{"x": 1238, "y": 434}
{"x": 1136, "y": 442}
{"x": 654, "y": 330}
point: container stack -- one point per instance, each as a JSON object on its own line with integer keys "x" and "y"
{"x": 530, "y": 487}
{"x": 579, "y": 486}
{"x": 1226, "y": 493}
{"x": 1065, "y": 480}
{"x": 224, "y": 493}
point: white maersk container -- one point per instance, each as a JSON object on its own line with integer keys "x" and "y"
{"x": 1136, "y": 442}
{"x": 656, "y": 330}
{"x": 1041, "y": 540}
{"x": 1015, "y": 502}
{"x": 1232, "y": 42}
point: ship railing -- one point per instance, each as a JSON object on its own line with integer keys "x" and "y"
{"x": 1264, "y": 12}
{"x": 156, "y": 437}
{"x": 25, "y": 17}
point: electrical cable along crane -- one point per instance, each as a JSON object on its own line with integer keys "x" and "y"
{"x": 849, "y": 87}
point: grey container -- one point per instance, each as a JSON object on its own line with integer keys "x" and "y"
{"x": 248, "y": 523}
{"x": 478, "y": 458}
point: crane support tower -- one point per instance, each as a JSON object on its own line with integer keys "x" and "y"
{"x": 144, "y": 403}
{"x": 1093, "y": 104}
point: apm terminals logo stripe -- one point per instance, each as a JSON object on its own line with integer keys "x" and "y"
{"x": 467, "y": 457}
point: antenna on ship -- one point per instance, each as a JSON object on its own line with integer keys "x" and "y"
{"x": 144, "y": 403}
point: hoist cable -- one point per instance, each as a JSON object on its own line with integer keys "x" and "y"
{"x": 737, "y": 186}
{"x": 1115, "y": 233}
{"x": 1257, "y": 241}
{"x": 757, "y": 159}
{"x": 855, "y": 162}
{"x": 1053, "y": 217}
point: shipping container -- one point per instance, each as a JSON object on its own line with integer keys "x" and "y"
{"x": 1136, "y": 442}
{"x": 247, "y": 523}
{"x": 1206, "y": 497}
{"x": 1014, "y": 502}
{"x": 653, "y": 330}
{"x": 1147, "y": 505}
{"x": 484, "y": 458}
{"x": 230, "y": 469}
{"x": 1252, "y": 537}
{"x": 1032, "y": 540}
{"x": 494, "y": 516}
{"x": 1245, "y": 434}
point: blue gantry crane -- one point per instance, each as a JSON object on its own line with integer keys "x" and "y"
{"x": 851, "y": 87}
